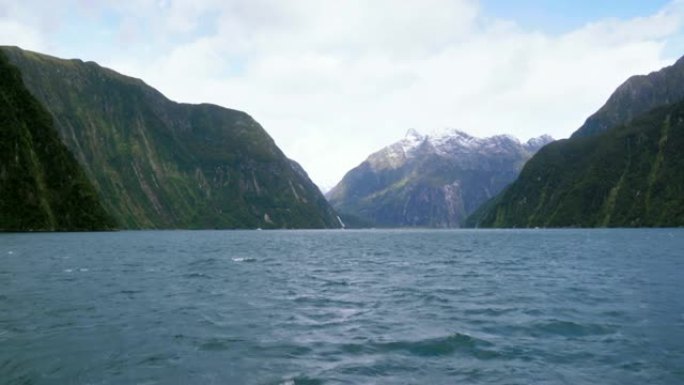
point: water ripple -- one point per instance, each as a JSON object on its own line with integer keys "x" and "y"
{"x": 345, "y": 307}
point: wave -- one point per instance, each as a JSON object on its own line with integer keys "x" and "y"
{"x": 452, "y": 344}
{"x": 572, "y": 329}
{"x": 243, "y": 259}
{"x": 301, "y": 381}
{"x": 203, "y": 262}
{"x": 554, "y": 328}
{"x": 196, "y": 275}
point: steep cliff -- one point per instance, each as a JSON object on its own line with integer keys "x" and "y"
{"x": 42, "y": 187}
{"x": 161, "y": 164}
{"x": 628, "y": 176}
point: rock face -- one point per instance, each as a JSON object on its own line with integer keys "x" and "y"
{"x": 628, "y": 175}
{"x": 431, "y": 180}
{"x": 161, "y": 164}
{"x": 42, "y": 187}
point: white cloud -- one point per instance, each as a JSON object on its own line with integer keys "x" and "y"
{"x": 15, "y": 33}
{"x": 333, "y": 81}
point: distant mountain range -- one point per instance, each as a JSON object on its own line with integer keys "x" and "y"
{"x": 85, "y": 148}
{"x": 432, "y": 180}
{"x": 148, "y": 161}
{"x": 623, "y": 168}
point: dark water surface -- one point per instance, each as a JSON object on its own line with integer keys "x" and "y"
{"x": 343, "y": 307}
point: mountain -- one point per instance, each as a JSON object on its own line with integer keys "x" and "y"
{"x": 629, "y": 175}
{"x": 637, "y": 96}
{"x": 431, "y": 180}
{"x": 160, "y": 164}
{"x": 42, "y": 187}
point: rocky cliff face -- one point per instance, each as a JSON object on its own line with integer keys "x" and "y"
{"x": 622, "y": 168}
{"x": 42, "y": 187}
{"x": 431, "y": 180}
{"x": 161, "y": 164}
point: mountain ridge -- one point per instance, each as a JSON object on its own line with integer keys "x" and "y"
{"x": 636, "y": 96}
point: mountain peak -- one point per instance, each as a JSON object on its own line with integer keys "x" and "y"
{"x": 449, "y": 142}
{"x": 534, "y": 144}
{"x": 412, "y": 140}
{"x": 412, "y": 133}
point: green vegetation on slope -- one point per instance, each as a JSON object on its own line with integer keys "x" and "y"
{"x": 628, "y": 176}
{"x": 42, "y": 187}
{"x": 161, "y": 164}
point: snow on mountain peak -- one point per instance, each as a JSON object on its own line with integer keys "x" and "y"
{"x": 412, "y": 140}
{"x": 412, "y": 133}
{"x": 396, "y": 154}
{"x": 535, "y": 144}
{"x": 450, "y": 137}
{"x": 449, "y": 142}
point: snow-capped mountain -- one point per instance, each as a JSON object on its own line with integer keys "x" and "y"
{"x": 431, "y": 180}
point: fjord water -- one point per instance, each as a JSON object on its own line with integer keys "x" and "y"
{"x": 343, "y": 307}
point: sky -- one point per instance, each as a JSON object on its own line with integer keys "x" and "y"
{"x": 333, "y": 81}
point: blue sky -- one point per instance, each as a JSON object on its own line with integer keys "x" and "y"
{"x": 333, "y": 81}
{"x": 562, "y": 16}
{"x": 565, "y": 15}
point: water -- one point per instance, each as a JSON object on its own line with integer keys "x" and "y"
{"x": 343, "y": 307}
